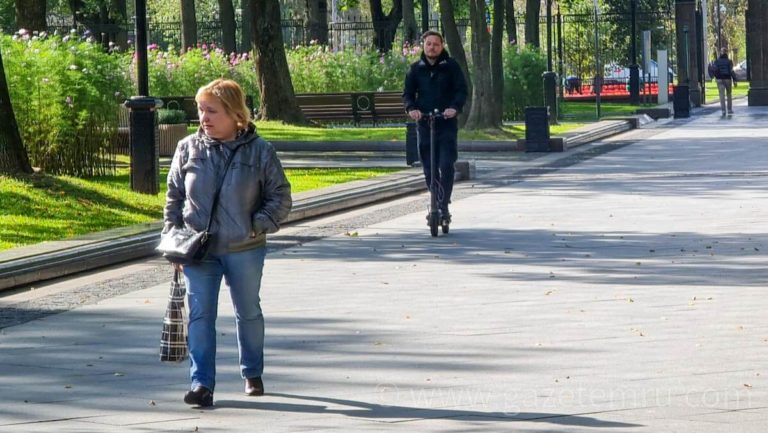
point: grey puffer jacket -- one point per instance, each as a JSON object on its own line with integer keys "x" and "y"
{"x": 255, "y": 196}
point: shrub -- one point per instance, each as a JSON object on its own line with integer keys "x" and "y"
{"x": 65, "y": 93}
{"x": 523, "y": 84}
{"x": 171, "y": 117}
{"x": 182, "y": 74}
{"x": 316, "y": 69}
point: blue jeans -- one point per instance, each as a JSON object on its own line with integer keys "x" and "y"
{"x": 242, "y": 274}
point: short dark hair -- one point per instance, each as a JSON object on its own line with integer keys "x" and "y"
{"x": 429, "y": 33}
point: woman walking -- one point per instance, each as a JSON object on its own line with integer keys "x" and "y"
{"x": 255, "y": 197}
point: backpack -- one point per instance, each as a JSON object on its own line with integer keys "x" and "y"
{"x": 712, "y": 70}
{"x": 723, "y": 68}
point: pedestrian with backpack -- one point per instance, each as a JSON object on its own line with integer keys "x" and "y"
{"x": 723, "y": 69}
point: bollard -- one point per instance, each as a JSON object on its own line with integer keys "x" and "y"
{"x": 411, "y": 144}
{"x": 681, "y": 101}
{"x": 143, "y": 139}
{"x": 537, "y": 129}
{"x": 550, "y": 95}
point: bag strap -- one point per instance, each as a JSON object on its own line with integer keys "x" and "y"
{"x": 218, "y": 187}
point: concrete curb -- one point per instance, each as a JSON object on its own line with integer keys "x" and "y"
{"x": 26, "y": 265}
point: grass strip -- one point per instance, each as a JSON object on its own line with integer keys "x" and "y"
{"x": 278, "y": 131}
{"x": 41, "y": 208}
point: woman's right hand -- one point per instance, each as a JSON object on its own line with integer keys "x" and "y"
{"x": 177, "y": 267}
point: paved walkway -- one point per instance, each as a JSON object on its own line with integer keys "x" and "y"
{"x": 619, "y": 291}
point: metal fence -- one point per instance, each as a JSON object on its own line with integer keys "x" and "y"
{"x": 356, "y": 32}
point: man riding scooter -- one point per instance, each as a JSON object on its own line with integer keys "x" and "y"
{"x": 436, "y": 82}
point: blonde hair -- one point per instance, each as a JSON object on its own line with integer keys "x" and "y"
{"x": 231, "y": 96}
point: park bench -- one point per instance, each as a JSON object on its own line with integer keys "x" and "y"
{"x": 188, "y": 105}
{"x": 354, "y": 107}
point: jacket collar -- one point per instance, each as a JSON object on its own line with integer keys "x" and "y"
{"x": 442, "y": 58}
{"x": 244, "y": 136}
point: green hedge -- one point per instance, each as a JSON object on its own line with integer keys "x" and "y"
{"x": 65, "y": 94}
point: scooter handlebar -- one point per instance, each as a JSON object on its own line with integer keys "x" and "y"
{"x": 433, "y": 115}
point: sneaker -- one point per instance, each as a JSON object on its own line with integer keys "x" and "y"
{"x": 200, "y": 396}
{"x": 254, "y": 386}
{"x": 730, "y": 112}
{"x": 445, "y": 215}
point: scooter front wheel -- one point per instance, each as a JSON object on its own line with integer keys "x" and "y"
{"x": 434, "y": 222}
{"x": 445, "y": 227}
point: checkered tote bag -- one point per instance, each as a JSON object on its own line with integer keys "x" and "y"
{"x": 173, "y": 341}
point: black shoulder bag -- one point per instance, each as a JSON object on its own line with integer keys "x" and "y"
{"x": 184, "y": 246}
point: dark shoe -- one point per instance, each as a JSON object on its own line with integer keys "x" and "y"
{"x": 254, "y": 386}
{"x": 200, "y": 396}
{"x": 445, "y": 215}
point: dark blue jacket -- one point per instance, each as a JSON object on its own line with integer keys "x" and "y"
{"x": 723, "y": 68}
{"x": 440, "y": 86}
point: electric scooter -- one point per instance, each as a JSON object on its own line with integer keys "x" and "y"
{"x": 434, "y": 218}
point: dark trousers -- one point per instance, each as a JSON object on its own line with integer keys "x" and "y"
{"x": 445, "y": 156}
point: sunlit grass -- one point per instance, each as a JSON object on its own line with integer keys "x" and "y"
{"x": 40, "y": 208}
{"x": 712, "y": 95}
{"x": 278, "y": 131}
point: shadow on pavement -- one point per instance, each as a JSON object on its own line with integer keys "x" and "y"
{"x": 361, "y": 409}
{"x": 609, "y": 257}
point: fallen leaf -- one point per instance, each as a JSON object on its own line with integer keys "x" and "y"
{"x": 746, "y": 385}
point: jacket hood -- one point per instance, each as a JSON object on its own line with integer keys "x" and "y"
{"x": 243, "y": 136}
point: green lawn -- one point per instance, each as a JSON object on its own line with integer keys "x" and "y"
{"x": 278, "y": 131}
{"x": 588, "y": 111}
{"x": 712, "y": 95}
{"x": 40, "y": 208}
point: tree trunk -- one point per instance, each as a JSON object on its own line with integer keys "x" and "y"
{"x": 75, "y": 6}
{"x": 456, "y": 49}
{"x": 317, "y": 21}
{"x": 228, "y": 26}
{"x": 532, "y": 11}
{"x": 511, "y": 24}
{"x": 30, "y": 15}
{"x": 385, "y": 26}
{"x": 481, "y": 115}
{"x": 278, "y": 101}
{"x": 410, "y": 28}
{"x": 247, "y": 33}
{"x": 13, "y": 156}
{"x": 188, "y": 24}
{"x": 120, "y": 14}
{"x": 497, "y": 62}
